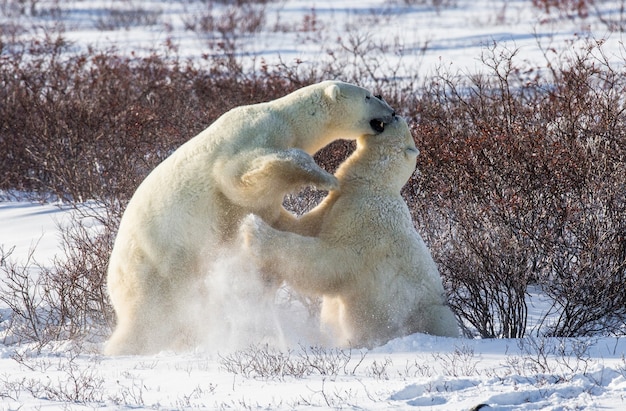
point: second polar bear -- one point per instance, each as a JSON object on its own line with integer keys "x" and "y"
{"x": 189, "y": 207}
{"x": 361, "y": 251}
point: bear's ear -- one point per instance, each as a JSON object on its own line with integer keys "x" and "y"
{"x": 332, "y": 92}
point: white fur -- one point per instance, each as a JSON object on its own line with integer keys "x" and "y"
{"x": 190, "y": 206}
{"x": 361, "y": 251}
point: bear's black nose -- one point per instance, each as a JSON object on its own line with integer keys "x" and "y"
{"x": 378, "y": 96}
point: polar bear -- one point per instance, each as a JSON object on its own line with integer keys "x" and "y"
{"x": 361, "y": 251}
{"x": 191, "y": 205}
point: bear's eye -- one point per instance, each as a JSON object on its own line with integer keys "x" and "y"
{"x": 367, "y": 97}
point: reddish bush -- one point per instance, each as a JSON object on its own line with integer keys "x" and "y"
{"x": 566, "y": 7}
{"x": 522, "y": 172}
{"x": 522, "y": 182}
{"x": 93, "y": 125}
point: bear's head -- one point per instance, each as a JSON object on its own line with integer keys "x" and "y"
{"x": 355, "y": 111}
{"x": 391, "y": 154}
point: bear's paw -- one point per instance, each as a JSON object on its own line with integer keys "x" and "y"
{"x": 253, "y": 232}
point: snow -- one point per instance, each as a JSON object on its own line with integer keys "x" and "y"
{"x": 417, "y": 371}
{"x": 31, "y": 227}
{"x": 414, "y": 40}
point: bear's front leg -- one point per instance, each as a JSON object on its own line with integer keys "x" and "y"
{"x": 258, "y": 180}
{"x": 287, "y": 170}
{"x": 252, "y": 231}
{"x": 309, "y": 264}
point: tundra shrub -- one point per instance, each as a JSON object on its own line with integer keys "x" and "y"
{"x": 93, "y": 125}
{"x": 522, "y": 172}
{"x": 522, "y": 183}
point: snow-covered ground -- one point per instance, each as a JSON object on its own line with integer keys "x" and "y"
{"x": 416, "y": 371}
{"x": 414, "y": 39}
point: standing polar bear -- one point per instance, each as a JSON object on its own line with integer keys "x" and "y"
{"x": 191, "y": 205}
{"x": 361, "y": 251}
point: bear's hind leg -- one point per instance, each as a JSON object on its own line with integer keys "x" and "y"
{"x": 151, "y": 323}
{"x": 439, "y": 320}
{"x": 131, "y": 338}
{"x": 333, "y": 321}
